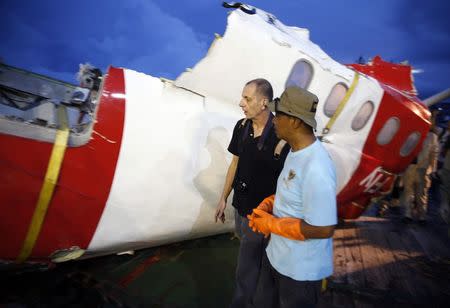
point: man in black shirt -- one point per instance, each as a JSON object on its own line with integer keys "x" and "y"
{"x": 258, "y": 157}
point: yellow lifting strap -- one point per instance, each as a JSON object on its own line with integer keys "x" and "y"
{"x": 341, "y": 104}
{"x": 324, "y": 285}
{"x": 51, "y": 178}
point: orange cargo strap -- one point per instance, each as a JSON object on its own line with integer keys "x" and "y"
{"x": 48, "y": 187}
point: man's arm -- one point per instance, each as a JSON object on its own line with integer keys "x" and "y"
{"x": 289, "y": 227}
{"x": 310, "y": 231}
{"x": 222, "y": 204}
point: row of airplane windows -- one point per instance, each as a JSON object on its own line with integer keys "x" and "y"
{"x": 301, "y": 75}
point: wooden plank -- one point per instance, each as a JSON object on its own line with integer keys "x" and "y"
{"x": 407, "y": 256}
{"x": 428, "y": 265}
{"x": 407, "y": 287}
{"x": 354, "y": 265}
{"x": 388, "y": 263}
{"x": 340, "y": 270}
{"x": 434, "y": 248}
{"x": 339, "y": 298}
{"x": 397, "y": 265}
{"x": 376, "y": 277}
{"x": 355, "y": 268}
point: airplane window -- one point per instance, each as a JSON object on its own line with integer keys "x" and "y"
{"x": 300, "y": 75}
{"x": 362, "y": 116}
{"x": 410, "y": 144}
{"x": 388, "y": 131}
{"x": 334, "y": 98}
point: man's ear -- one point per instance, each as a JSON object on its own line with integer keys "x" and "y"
{"x": 265, "y": 101}
{"x": 297, "y": 122}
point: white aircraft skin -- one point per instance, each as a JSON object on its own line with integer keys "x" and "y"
{"x": 171, "y": 196}
{"x": 173, "y": 154}
{"x": 189, "y": 124}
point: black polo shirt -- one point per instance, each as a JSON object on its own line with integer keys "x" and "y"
{"x": 258, "y": 167}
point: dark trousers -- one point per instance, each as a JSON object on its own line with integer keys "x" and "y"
{"x": 251, "y": 250}
{"x": 276, "y": 290}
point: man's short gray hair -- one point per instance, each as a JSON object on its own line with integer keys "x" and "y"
{"x": 263, "y": 87}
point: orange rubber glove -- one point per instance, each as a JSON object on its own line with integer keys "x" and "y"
{"x": 256, "y": 223}
{"x": 267, "y": 204}
{"x": 266, "y": 223}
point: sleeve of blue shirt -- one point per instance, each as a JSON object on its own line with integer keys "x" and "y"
{"x": 319, "y": 195}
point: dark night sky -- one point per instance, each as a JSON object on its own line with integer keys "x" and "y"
{"x": 162, "y": 38}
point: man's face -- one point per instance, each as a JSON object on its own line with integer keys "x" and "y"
{"x": 281, "y": 123}
{"x": 252, "y": 103}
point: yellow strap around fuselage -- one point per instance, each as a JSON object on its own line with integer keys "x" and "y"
{"x": 341, "y": 104}
{"x": 51, "y": 178}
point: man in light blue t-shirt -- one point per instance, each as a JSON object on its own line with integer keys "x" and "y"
{"x": 301, "y": 216}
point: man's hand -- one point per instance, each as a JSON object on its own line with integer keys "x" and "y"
{"x": 288, "y": 227}
{"x": 220, "y": 211}
{"x": 259, "y": 221}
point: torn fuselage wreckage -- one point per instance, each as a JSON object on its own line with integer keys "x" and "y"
{"x": 141, "y": 161}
